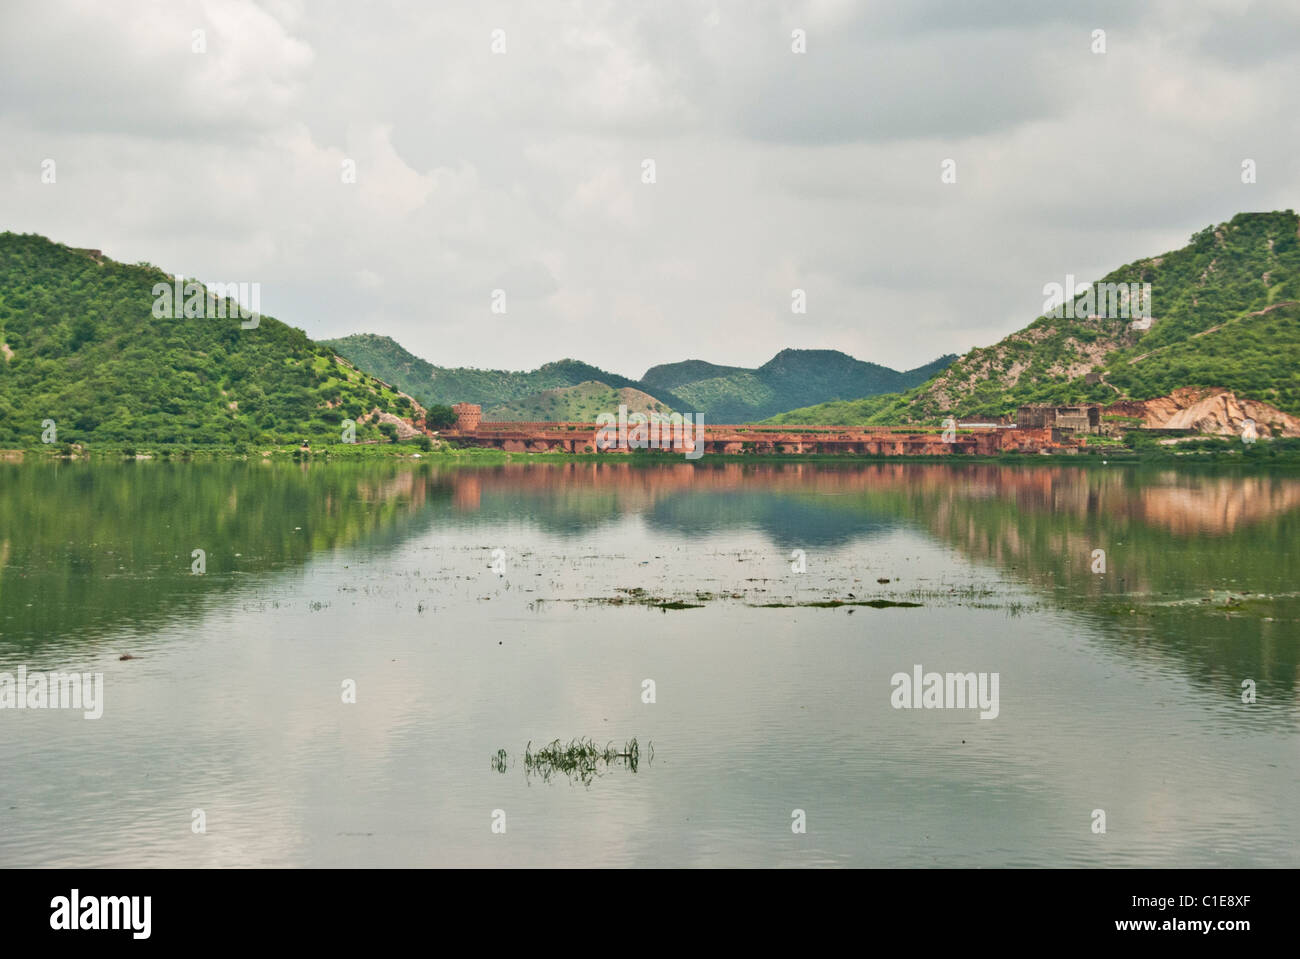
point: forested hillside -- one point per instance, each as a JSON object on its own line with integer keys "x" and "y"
{"x": 1225, "y": 313}
{"x": 80, "y": 345}
{"x": 430, "y": 385}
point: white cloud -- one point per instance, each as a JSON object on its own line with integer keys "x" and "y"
{"x": 776, "y": 170}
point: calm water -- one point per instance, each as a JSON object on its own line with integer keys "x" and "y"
{"x": 1119, "y": 691}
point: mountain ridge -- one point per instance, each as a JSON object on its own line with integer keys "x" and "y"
{"x": 723, "y": 394}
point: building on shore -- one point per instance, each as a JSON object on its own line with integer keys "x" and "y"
{"x": 1083, "y": 418}
{"x": 766, "y": 439}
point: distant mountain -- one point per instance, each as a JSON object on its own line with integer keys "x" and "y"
{"x": 1225, "y": 316}
{"x": 441, "y": 385}
{"x": 722, "y": 393}
{"x": 670, "y": 376}
{"x": 80, "y": 346}
{"x": 792, "y": 378}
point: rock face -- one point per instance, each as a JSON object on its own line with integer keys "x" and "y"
{"x": 404, "y": 429}
{"x": 1216, "y": 411}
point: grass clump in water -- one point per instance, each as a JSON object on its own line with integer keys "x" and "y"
{"x": 579, "y": 759}
{"x": 836, "y": 603}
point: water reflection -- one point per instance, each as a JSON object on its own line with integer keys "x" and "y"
{"x": 1201, "y": 567}
{"x": 1118, "y": 689}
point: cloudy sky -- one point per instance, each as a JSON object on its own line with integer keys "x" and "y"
{"x": 522, "y": 170}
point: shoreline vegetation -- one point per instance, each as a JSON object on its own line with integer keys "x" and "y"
{"x": 1201, "y": 450}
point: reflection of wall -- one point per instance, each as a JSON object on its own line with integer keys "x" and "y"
{"x": 468, "y": 494}
{"x": 1181, "y": 503}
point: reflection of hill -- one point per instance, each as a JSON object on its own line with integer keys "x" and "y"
{"x": 572, "y": 498}
{"x": 564, "y": 494}
{"x": 1171, "y": 537}
{"x": 786, "y": 519}
{"x": 1171, "y": 540}
{"x": 87, "y": 549}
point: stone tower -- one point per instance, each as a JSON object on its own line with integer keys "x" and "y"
{"x": 468, "y": 416}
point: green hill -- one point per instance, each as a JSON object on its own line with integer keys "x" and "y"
{"x": 440, "y": 385}
{"x": 724, "y": 394}
{"x": 1223, "y": 315}
{"x": 792, "y": 378}
{"x": 576, "y": 404}
{"x": 671, "y": 376}
{"x": 79, "y": 345}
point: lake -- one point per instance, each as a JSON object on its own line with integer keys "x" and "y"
{"x": 331, "y": 681}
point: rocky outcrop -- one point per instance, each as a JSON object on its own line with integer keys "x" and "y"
{"x": 404, "y": 429}
{"x": 1216, "y": 411}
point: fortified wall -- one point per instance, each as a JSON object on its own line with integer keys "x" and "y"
{"x": 549, "y": 437}
{"x": 468, "y": 416}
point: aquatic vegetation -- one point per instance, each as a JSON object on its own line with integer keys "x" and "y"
{"x": 636, "y": 596}
{"x": 836, "y": 603}
{"x": 579, "y": 759}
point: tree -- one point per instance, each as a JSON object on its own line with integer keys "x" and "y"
{"x": 439, "y": 418}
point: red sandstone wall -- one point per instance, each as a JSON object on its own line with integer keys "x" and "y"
{"x": 468, "y": 416}
{"x": 577, "y": 437}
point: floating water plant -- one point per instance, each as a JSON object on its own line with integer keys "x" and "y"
{"x": 837, "y": 603}
{"x": 579, "y": 759}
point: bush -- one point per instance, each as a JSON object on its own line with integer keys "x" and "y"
{"x": 439, "y": 418}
